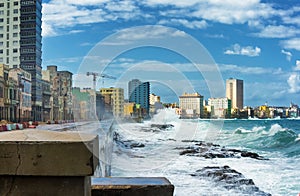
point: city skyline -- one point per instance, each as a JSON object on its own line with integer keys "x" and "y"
{"x": 256, "y": 41}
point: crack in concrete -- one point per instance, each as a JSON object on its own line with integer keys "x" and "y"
{"x": 16, "y": 171}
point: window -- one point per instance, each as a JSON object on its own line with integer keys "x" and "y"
{"x": 15, "y": 43}
{"x": 15, "y": 18}
{"x": 16, "y": 3}
{"x": 16, "y": 11}
{"x": 1, "y": 4}
{"x": 1, "y": 59}
{"x": 15, "y": 27}
{"x": 1, "y": 12}
{"x": 1, "y": 35}
{"x": 15, "y": 58}
{"x": 15, "y": 66}
{"x": 15, "y": 50}
{"x": 1, "y": 19}
{"x": 1, "y": 43}
{"x": 15, "y": 35}
{"x": 1, "y": 51}
{"x": 1, "y": 28}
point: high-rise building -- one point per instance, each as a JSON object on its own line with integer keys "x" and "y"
{"x": 191, "y": 105}
{"x": 21, "y": 43}
{"x": 139, "y": 93}
{"x": 235, "y": 92}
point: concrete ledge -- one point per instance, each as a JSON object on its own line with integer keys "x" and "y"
{"x": 131, "y": 187}
{"x": 45, "y": 185}
{"x": 48, "y": 153}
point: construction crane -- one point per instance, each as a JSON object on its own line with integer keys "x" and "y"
{"x": 95, "y": 75}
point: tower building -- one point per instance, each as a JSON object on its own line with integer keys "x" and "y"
{"x": 21, "y": 43}
{"x": 235, "y": 92}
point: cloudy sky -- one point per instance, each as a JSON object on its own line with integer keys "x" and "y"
{"x": 257, "y": 41}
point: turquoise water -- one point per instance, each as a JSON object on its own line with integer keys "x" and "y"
{"x": 277, "y": 136}
{"x": 276, "y": 140}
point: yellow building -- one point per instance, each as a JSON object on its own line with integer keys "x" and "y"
{"x": 117, "y": 100}
{"x": 128, "y": 109}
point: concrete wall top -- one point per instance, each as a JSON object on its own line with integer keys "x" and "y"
{"x": 48, "y": 153}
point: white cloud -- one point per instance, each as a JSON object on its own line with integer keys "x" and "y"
{"x": 189, "y": 24}
{"x": 288, "y": 54}
{"x": 61, "y": 14}
{"x": 227, "y": 12}
{"x": 297, "y": 67}
{"x": 148, "y": 32}
{"x": 291, "y": 44}
{"x": 246, "y": 51}
{"x": 294, "y": 83}
{"x": 244, "y": 70}
{"x": 280, "y": 31}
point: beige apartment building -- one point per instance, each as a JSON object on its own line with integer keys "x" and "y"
{"x": 235, "y": 92}
{"x": 115, "y": 98}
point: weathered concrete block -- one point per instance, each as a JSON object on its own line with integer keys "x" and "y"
{"x": 131, "y": 187}
{"x": 48, "y": 153}
{"x": 45, "y": 185}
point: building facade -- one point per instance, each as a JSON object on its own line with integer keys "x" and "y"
{"x": 220, "y": 107}
{"x": 21, "y": 43}
{"x": 191, "y": 105}
{"x": 235, "y": 92}
{"x": 115, "y": 98}
{"x": 139, "y": 93}
{"x": 23, "y": 79}
{"x": 61, "y": 93}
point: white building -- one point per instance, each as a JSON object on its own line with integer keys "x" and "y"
{"x": 220, "y": 107}
{"x": 191, "y": 105}
{"x": 154, "y": 98}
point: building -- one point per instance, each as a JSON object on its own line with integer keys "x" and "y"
{"x": 21, "y": 43}
{"x": 4, "y": 103}
{"x": 81, "y": 104}
{"x": 61, "y": 92}
{"x": 114, "y": 97}
{"x": 220, "y": 107}
{"x": 47, "y": 100}
{"x": 155, "y": 104}
{"x": 235, "y": 92}
{"x": 23, "y": 79}
{"x": 139, "y": 93}
{"x": 154, "y": 98}
{"x": 191, "y": 105}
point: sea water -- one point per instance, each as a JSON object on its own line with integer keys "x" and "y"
{"x": 277, "y": 140}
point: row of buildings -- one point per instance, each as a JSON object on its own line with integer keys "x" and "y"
{"x": 110, "y": 102}
{"x": 16, "y": 92}
{"x": 193, "y": 105}
{"x": 232, "y": 106}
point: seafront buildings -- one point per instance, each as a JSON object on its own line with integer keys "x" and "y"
{"x": 220, "y": 107}
{"x": 191, "y": 105}
{"x": 235, "y": 92}
{"x": 139, "y": 93}
{"x": 114, "y": 100}
{"x": 21, "y": 43}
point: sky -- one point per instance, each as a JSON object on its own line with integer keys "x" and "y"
{"x": 179, "y": 45}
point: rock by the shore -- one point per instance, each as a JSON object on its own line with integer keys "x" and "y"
{"x": 162, "y": 126}
{"x": 209, "y": 151}
{"x": 230, "y": 179}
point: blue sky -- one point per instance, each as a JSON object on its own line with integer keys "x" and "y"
{"x": 257, "y": 41}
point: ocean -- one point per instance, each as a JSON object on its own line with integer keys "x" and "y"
{"x": 145, "y": 149}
